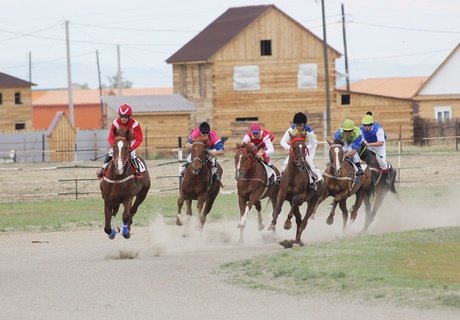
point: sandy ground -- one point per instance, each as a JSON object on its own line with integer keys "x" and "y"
{"x": 158, "y": 274}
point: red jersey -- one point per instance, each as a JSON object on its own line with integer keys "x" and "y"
{"x": 132, "y": 125}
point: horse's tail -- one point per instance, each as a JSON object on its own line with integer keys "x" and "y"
{"x": 393, "y": 184}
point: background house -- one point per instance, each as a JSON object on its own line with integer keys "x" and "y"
{"x": 254, "y": 63}
{"x": 15, "y": 103}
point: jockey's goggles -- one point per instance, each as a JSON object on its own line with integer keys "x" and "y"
{"x": 204, "y": 132}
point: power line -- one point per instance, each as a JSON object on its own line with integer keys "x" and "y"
{"x": 405, "y": 28}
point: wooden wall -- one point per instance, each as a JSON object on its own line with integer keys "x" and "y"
{"x": 11, "y": 113}
{"x": 393, "y": 114}
{"x": 427, "y": 105}
{"x": 61, "y": 141}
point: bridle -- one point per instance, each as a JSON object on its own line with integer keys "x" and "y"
{"x": 119, "y": 159}
{"x": 196, "y": 169}
{"x": 299, "y": 159}
{"x": 250, "y": 162}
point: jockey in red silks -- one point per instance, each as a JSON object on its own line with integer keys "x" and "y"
{"x": 263, "y": 140}
{"x": 125, "y": 120}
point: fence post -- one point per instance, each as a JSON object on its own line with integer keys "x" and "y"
{"x": 179, "y": 158}
{"x": 43, "y": 148}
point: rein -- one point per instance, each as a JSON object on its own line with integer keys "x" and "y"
{"x": 118, "y": 181}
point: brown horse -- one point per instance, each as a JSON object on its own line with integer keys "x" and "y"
{"x": 252, "y": 184}
{"x": 341, "y": 182}
{"x": 294, "y": 185}
{"x": 383, "y": 181}
{"x": 198, "y": 184}
{"x": 120, "y": 185}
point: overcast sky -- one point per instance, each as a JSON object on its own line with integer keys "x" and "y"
{"x": 385, "y": 38}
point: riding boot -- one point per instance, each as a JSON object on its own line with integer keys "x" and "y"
{"x": 387, "y": 180}
{"x": 100, "y": 172}
{"x": 360, "y": 171}
{"x": 215, "y": 176}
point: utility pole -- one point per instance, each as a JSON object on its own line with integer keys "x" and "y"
{"x": 69, "y": 75}
{"x": 347, "y": 76}
{"x": 326, "y": 70}
{"x": 100, "y": 89}
{"x": 30, "y": 66}
{"x": 119, "y": 71}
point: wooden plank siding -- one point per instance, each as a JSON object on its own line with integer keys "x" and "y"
{"x": 393, "y": 114}
{"x": 61, "y": 141}
{"x": 427, "y": 105}
{"x": 12, "y": 113}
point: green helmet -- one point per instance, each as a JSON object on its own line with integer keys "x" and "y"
{"x": 348, "y": 125}
{"x": 367, "y": 120}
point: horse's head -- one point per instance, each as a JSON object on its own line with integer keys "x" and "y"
{"x": 368, "y": 156}
{"x": 336, "y": 156}
{"x": 244, "y": 158}
{"x": 120, "y": 154}
{"x": 298, "y": 151}
{"x": 199, "y": 156}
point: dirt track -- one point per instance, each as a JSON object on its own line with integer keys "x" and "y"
{"x": 158, "y": 274}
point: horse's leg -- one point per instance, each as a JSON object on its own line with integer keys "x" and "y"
{"x": 180, "y": 203}
{"x": 380, "y": 195}
{"x": 140, "y": 197}
{"x": 344, "y": 209}
{"x": 200, "y": 207}
{"x": 244, "y": 210}
{"x": 311, "y": 205}
{"x": 292, "y": 212}
{"x": 330, "y": 218}
{"x": 260, "y": 222}
{"x": 359, "y": 200}
{"x": 109, "y": 217}
{"x": 279, "y": 204}
{"x": 127, "y": 218}
{"x": 368, "y": 207}
{"x": 188, "y": 217}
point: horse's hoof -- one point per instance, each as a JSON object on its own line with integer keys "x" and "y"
{"x": 240, "y": 226}
{"x": 287, "y": 225}
{"x": 313, "y": 216}
{"x": 178, "y": 222}
{"x": 287, "y": 244}
{"x": 125, "y": 232}
{"x": 261, "y": 226}
{"x": 330, "y": 220}
{"x": 127, "y": 236}
{"x": 300, "y": 244}
{"x": 113, "y": 234}
{"x": 272, "y": 227}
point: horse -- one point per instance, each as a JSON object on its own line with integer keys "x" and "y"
{"x": 252, "y": 184}
{"x": 341, "y": 182}
{"x": 379, "y": 181}
{"x": 120, "y": 185}
{"x": 198, "y": 184}
{"x": 294, "y": 187}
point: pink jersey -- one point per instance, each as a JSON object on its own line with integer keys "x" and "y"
{"x": 213, "y": 139}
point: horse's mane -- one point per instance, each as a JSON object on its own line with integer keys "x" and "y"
{"x": 248, "y": 146}
{"x": 125, "y": 133}
{"x": 299, "y": 134}
{"x": 338, "y": 141}
{"x": 203, "y": 140}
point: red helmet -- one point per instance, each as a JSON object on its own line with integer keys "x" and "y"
{"x": 125, "y": 110}
{"x": 255, "y": 128}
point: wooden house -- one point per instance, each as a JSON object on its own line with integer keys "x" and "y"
{"x": 15, "y": 103}
{"x": 163, "y": 119}
{"x": 389, "y": 99}
{"x": 253, "y": 63}
{"x": 439, "y": 97}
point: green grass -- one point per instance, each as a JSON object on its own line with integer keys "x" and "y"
{"x": 417, "y": 268}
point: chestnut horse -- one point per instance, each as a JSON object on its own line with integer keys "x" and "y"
{"x": 294, "y": 187}
{"x": 341, "y": 182}
{"x": 380, "y": 182}
{"x": 252, "y": 184}
{"x": 120, "y": 185}
{"x": 198, "y": 184}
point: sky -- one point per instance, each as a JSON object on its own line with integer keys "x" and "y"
{"x": 391, "y": 38}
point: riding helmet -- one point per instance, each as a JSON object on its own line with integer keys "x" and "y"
{"x": 348, "y": 125}
{"x": 299, "y": 117}
{"x": 125, "y": 110}
{"x": 204, "y": 127}
{"x": 255, "y": 128}
{"x": 367, "y": 119}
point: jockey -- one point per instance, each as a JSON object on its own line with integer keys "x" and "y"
{"x": 262, "y": 139}
{"x": 352, "y": 138}
{"x": 299, "y": 124}
{"x": 214, "y": 146}
{"x": 124, "y": 120}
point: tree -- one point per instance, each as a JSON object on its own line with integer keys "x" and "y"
{"x": 113, "y": 83}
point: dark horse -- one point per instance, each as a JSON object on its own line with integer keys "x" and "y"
{"x": 341, "y": 182}
{"x": 252, "y": 184}
{"x": 198, "y": 184}
{"x": 120, "y": 185}
{"x": 294, "y": 185}
{"x": 383, "y": 181}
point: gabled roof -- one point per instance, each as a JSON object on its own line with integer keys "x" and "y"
{"x": 221, "y": 31}
{"x": 7, "y": 81}
{"x": 399, "y": 88}
{"x": 88, "y": 96}
{"x": 152, "y": 103}
{"x": 445, "y": 79}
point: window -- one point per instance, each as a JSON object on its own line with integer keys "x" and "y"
{"x": 265, "y": 47}
{"x": 345, "y": 99}
{"x": 307, "y": 76}
{"x": 20, "y": 126}
{"x": 1, "y": 98}
{"x": 17, "y": 98}
{"x": 246, "y": 77}
{"x": 443, "y": 113}
{"x": 247, "y": 119}
{"x": 202, "y": 79}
